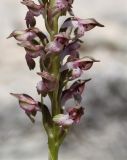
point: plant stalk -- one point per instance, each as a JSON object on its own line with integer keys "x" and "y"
{"x": 53, "y": 131}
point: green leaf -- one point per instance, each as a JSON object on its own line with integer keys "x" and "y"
{"x": 47, "y": 119}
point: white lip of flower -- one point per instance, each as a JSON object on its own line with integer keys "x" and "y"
{"x": 63, "y": 120}
{"x": 65, "y": 59}
{"x": 76, "y": 72}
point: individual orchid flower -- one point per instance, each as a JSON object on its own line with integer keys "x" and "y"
{"x": 23, "y": 35}
{"x": 32, "y": 51}
{"x": 80, "y": 25}
{"x": 35, "y": 9}
{"x": 75, "y": 91}
{"x": 73, "y": 115}
{"x": 83, "y": 25}
{"x": 29, "y": 35}
{"x": 48, "y": 84}
{"x": 84, "y": 63}
{"x": 27, "y": 39}
{"x": 28, "y": 104}
{"x": 77, "y": 66}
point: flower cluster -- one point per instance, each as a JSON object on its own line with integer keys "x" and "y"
{"x": 60, "y": 50}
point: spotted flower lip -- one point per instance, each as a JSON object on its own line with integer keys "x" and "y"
{"x": 75, "y": 113}
{"x": 28, "y": 104}
{"x": 75, "y": 91}
{"x": 35, "y": 9}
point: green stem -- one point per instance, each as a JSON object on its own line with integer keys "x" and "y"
{"x": 53, "y": 149}
{"x": 53, "y": 131}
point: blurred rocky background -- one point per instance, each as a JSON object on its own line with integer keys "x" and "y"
{"x": 102, "y": 133}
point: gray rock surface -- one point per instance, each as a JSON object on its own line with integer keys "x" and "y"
{"x": 102, "y": 132}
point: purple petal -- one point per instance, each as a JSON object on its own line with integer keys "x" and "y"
{"x": 89, "y": 23}
{"x": 33, "y": 50}
{"x": 54, "y": 47}
{"x": 27, "y": 103}
{"x": 24, "y": 98}
{"x": 47, "y": 76}
{"x": 84, "y": 63}
{"x": 41, "y": 88}
{"x": 80, "y": 31}
{"x": 27, "y": 107}
{"x": 30, "y": 62}
{"x": 71, "y": 49}
{"x": 35, "y": 9}
{"x": 63, "y": 4}
{"x": 75, "y": 113}
{"x": 30, "y": 20}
